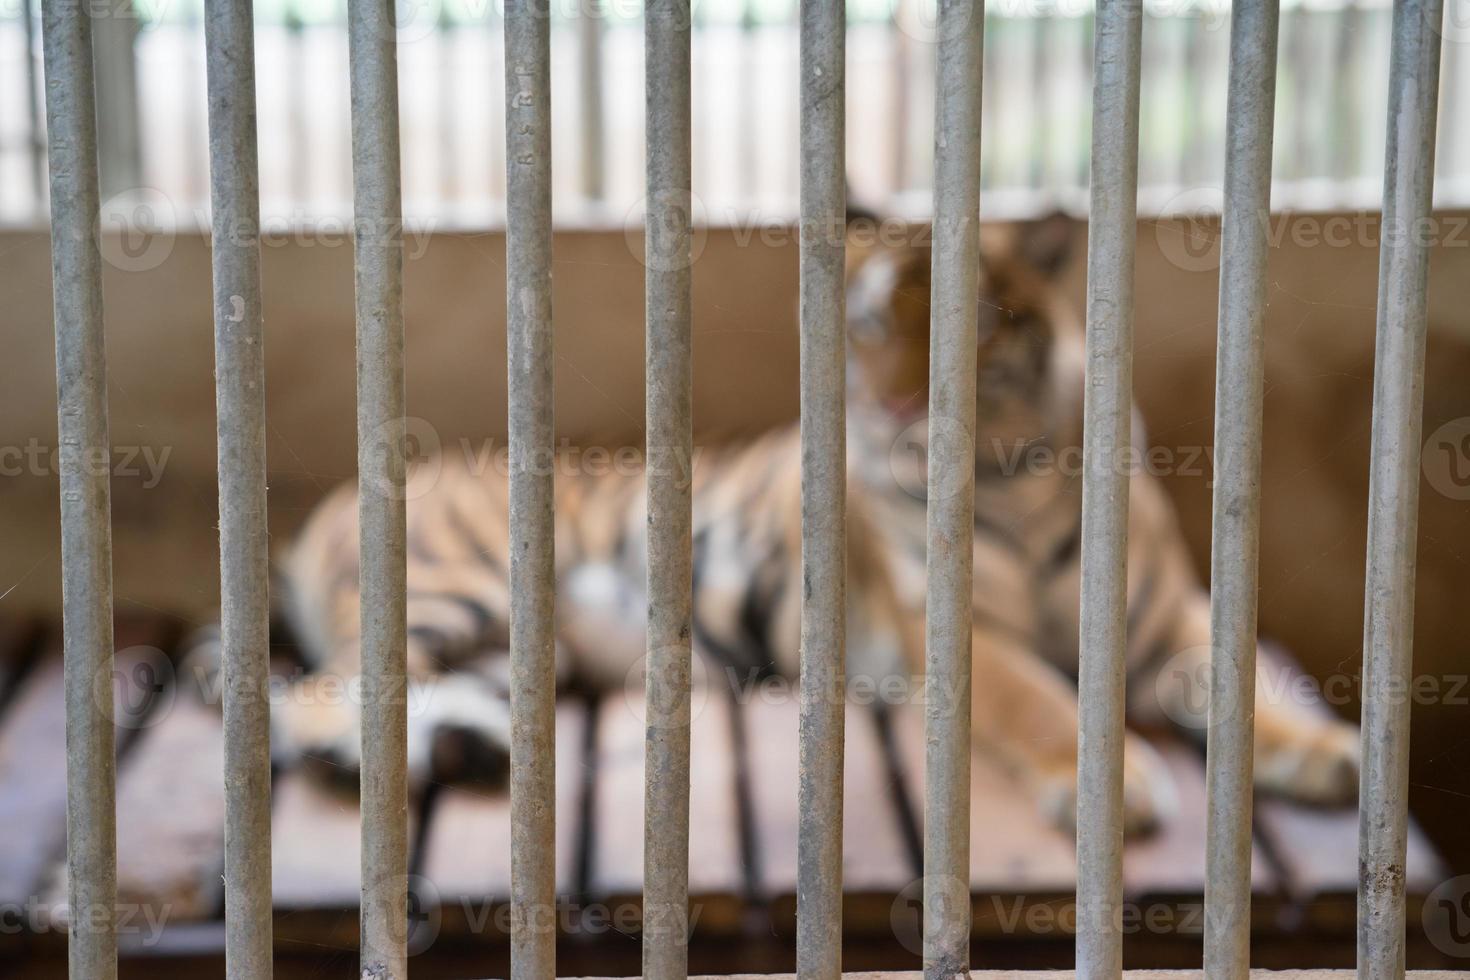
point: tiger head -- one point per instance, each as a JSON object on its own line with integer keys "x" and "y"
{"x": 1028, "y": 334}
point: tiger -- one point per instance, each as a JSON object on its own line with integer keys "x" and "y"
{"x": 1025, "y": 640}
{"x": 747, "y": 583}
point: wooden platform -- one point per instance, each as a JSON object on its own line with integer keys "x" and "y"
{"x": 743, "y": 839}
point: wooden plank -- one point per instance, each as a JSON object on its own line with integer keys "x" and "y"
{"x": 315, "y": 844}
{"x": 32, "y": 782}
{"x": 33, "y": 756}
{"x": 1013, "y": 851}
{"x": 1318, "y": 850}
{"x": 1172, "y": 862}
{"x": 715, "y": 877}
{"x": 467, "y": 846}
{"x": 875, "y": 860}
{"x": 170, "y": 815}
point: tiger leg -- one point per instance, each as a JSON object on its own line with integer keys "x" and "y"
{"x": 455, "y": 691}
{"x": 1301, "y": 751}
{"x": 1025, "y": 712}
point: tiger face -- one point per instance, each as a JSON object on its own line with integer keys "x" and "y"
{"x": 1022, "y": 321}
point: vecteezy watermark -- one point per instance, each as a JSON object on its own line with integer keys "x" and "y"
{"x": 936, "y": 904}
{"x": 204, "y": 682}
{"x": 121, "y": 462}
{"x": 131, "y": 919}
{"x": 1446, "y": 917}
{"x": 428, "y": 908}
{"x": 667, "y": 233}
{"x": 1018, "y": 916}
{"x": 1196, "y": 690}
{"x": 947, "y": 440}
{"x": 140, "y": 226}
{"x": 1446, "y": 459}
{"x": 1189, "y": 233}
{"x": 890, "y": 689}
{"x": 426, "y": 455}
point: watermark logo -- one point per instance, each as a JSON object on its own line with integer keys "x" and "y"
{"x": 652, "y": 230}
{"x": 136, "y": 687}
{"x": 1446, "y": 459}
{"x": 1454, "y": 27}
{"x": 933, "y": 458}
{"x": 938, "y": 905}
{"x": 1191, "y": 239}
{"x": 137, "y": 229}
{"x": 1447, "y": 917}
{"x": 643, "y": 690}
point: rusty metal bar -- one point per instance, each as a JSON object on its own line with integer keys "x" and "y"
{"x": 378, "y": 238}
{"x": 670, "y": 448}
{"x": 244, "y": 543}
{"x": 823, "y": 489}
{"x": 532, "y": 574}
{"x": 85, "y": 465}
{"x": 951, "y": 494}
{"x": 1237, "y": 496}
{"x": 1393, "y": 488}
{"x": 1107, "y": 415}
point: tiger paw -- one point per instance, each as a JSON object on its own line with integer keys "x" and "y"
{"x": 1149, "y": 796}
{"x": 1318, "y": 765}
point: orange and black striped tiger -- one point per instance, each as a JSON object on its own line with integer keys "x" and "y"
{"x": 747, "y": 581}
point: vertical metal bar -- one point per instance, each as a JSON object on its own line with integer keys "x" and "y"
{"x": 239, "y": 356}
{"x": 1347, "y": 59}
{"x": 951, "y": 513}
{"x": 594, "y": 124}
{"x": 670, "y": 450}
{"x": 751, "y": 113}
{"x": 899, "y": 99}
{"x": 823, "y": 489}
{"x": 119, "y": 120}
{"x": 1043, "y": 46}
{"x": 299, "y": 129}
{"x": 37, "y": 133}
{"x": 1107, "y": 412}
{"x": 86, "y": 520}
{"x": 1393, "y": 494}
{"x": 446, "y": 102}
{"x": 532, "y": 577}
{"x": 1237, "y": 496}
{"x": 378, "y": 235}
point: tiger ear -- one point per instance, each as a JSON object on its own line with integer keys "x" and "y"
{"x": 1045, "y": 244}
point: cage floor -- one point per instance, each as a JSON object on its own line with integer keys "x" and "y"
{"x": 742, "y": 838}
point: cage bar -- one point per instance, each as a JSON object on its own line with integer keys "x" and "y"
{"x": 670, "y": 450}
{"x": 1107, "y": 415}
{"x": 591, "y": 114}
{"x": 84, "y": 468}
{"x": 823, "y": 490}
{"x": 532, "y": 573}
{"x": 1237, "y": 495}
{"x": 951, "y": 488}
{"x": 378, "y": 272}
{"x": 1393, "y": 489}
{"x": 244, "y": 542}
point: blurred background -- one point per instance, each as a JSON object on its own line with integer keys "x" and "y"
{"x": 1322, "y": 295}
{"x": 1330, "y": 107}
